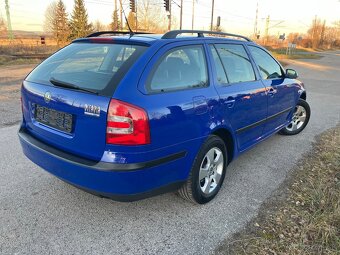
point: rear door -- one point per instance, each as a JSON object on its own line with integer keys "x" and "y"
{"x": 280, "y": 91}
{"x": 242, "y": 94}
{"x": 65, "y": 99}
{"x": 179, "y": 96}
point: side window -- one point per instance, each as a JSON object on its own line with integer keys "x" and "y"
{"x": 269, "y": 68}
{"x": 180, "y": 68}
{"x": 236, "y": 62}
{"x": 221, "y": 73}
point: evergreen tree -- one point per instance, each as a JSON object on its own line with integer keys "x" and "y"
{"x": 60, "y": 24}
{"x": 79, "y": 25}
{"x": 115, "y": 21}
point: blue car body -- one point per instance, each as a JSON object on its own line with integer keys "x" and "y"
{"x": 242, "y": 114}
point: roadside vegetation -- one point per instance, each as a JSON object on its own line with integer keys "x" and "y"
{"x": 26, "y": 50}
{"x": 8, "y": 61}
{"x": 24, "y": 54}
{"x": 280, "y": 53}
{"x": 304, "y": 216}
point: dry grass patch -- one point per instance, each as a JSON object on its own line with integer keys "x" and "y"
{"x": 304, "y": 216}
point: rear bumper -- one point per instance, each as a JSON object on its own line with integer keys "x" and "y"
{"x": 122, "y": 182}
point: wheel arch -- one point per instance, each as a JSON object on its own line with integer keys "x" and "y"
{"x": 303, "y": 95}
{"x": 228, "y": 140}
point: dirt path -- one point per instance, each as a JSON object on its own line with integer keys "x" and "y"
{"x": 10, "y": 82}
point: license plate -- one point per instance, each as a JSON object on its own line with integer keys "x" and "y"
{"x": 56, "y": 119}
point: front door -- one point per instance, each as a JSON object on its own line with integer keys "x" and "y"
{"x": 279, "y": 90}
{"x": 242, "y": 95}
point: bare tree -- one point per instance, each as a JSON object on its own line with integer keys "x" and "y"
{"x": 132, "y": 21}
{"x": 3, "y": 26}
{"x": 317, "y": 32}
{"x": 149, "y": 18}
{"x": 98, "y": 26}
{"x": 293, "y": 37}
{"x": 337, "y": 30}
{"x": 50, "y": 17}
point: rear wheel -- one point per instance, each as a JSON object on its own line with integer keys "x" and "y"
{"x": 207, "y": 173}
{"x": 300, "y": 119}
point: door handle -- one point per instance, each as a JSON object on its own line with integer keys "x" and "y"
{"x": 230, "y": 102}
{"x": 272, "y": 92}
{"x": 200, "y": 105}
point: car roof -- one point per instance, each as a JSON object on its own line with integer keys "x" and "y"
{"x": 149, "y": 38}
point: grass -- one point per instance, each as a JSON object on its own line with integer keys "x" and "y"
{"x": 296, "y": 56}
{"x": 8, "y": 61}
{"x": 20, "y": 49}
{"x": 22, "y": 54}
{"x": 280, "y": 53}
{"x": 304, "y": 216}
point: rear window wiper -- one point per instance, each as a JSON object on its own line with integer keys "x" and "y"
{"x": 64, "y": 84}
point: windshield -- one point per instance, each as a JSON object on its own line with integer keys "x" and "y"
{"x": 95, "y": 67}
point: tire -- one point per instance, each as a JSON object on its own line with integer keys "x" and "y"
{"x": 211, "y": 175}
{"x": 300, "y": 119}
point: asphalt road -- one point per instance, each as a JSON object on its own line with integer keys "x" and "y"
{"x": 40, "y": 214}
{"x": 10, "y": 81}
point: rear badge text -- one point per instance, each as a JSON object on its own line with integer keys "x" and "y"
{"x": 92, "y": 110}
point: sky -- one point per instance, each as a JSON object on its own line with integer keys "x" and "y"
{"x": 237, "y": 16}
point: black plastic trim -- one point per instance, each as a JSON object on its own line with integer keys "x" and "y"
{"x": 96, "y": 34}
{"x": 200, "y": 33}
{"x": 95, "y": 165}
{"x": 133, "y": 197}
{"x": 240, "y": 130}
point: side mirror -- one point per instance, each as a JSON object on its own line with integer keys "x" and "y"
{"x": 291, "y": 74}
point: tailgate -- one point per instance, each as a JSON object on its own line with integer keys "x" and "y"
{"x": 69, "y": 120}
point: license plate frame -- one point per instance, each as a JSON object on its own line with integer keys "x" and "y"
{"x": 59, "y": 120}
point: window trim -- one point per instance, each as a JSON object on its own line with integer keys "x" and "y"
{"x": 219, "y": 57}
{"x": 151, "y": 91}
{"x": 257, "y": 66}
{"x": 249, "y": 58}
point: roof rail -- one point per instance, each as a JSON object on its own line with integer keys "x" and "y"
{"x": 200, "y": 33}
{"x": 96, "y": 34}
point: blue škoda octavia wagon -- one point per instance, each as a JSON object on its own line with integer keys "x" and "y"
{"x": 131, "y": 116}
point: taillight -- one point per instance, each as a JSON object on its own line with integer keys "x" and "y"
{"x": 127, "y": 124}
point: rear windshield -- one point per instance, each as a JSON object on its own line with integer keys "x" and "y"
{"x": 94, "y": 67}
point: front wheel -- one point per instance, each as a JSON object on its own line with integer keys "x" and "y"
{"x": 207, "y": 173}
{"x": 300, "y": 119}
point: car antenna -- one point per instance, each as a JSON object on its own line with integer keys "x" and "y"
{"x": 127, "y": 22}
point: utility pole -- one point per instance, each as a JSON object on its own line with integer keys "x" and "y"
{"x": 167, "y": 6}
{"x": 169, "y": 28}
{"x": 212, "y": 15}
{"x": 181, "y": 18}
{"x": 9, "y": 23}
{"x": 133, "y": 10}
{"x": 121, "y": 16}
{"x": 266, "y": 29}
{"x": 136, "y": 18}
{"x": 115, "y": 16}
{"x": 193, "y": 14}
{"x": 255, "y": 25}
{"x": 266, "y": 33}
